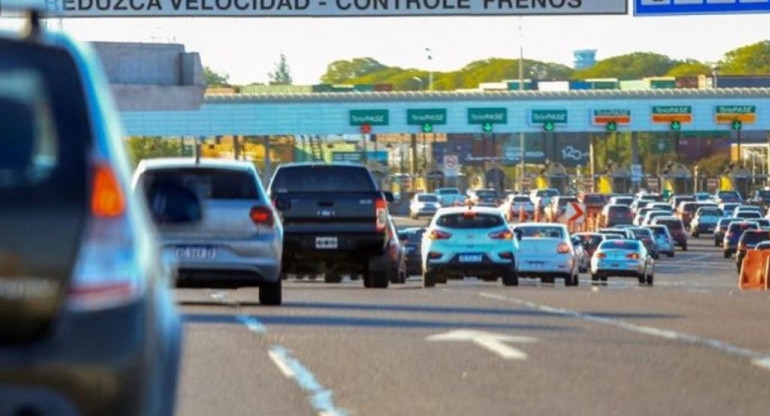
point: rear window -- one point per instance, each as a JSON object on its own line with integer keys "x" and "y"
{"x": 542, "y": 232}
{"x": 427, "y": 198}
{"x": 521, "y": 198}
{"x": 207, "y": 183}
{"x": 619, "y": 210}
{"x": 414, "y": 236}
{"x": 590, "y": 241}
{"x": 754, "y": 237}
{"x": 641, "y": 233}
{"x": 594, "y": 199}
{"x": 748, "y": 214}
{"x": 470, "y": 220}
{"x": 658, "y": 230}
{"x": 710, "y": 212}
{"x": 547, "y": 193}
{"x": 671, "y": 224}
{"x": 564, "y": 201}
{"x": 448, "y": 192}
{"x": 690, "y": 207}
{"x": 742, "y": 226}
{"x": 486, "y": 194}
{"x": 620, "y": 245}
{"x": 322, "y": 178}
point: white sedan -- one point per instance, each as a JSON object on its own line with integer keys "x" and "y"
{"x": 622, "y": 258}
{"x": 546, "y": 252}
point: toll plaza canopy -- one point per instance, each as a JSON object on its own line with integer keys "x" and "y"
{"x": 461, "y": 112}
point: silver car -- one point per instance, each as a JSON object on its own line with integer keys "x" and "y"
{"x": 238, "y": 242}
{"x": 623, "y": 258}
{"x": 423, "y": 205}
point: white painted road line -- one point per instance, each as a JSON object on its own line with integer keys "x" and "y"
{"x": 252, "y": 323}
{"x": 320, "y": 398}
{"x": 282, "y": 366}
{"x": 756, "y": 358}
{"x": 488, "y": 340}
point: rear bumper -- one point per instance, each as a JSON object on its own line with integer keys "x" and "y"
{"x": 537, "y": 267}
{"x": 617, "y": 273}
{"x": 300, "y": 250}
{"x": 98, "y": 363}
{"x": 704, "y": 228}
{"x": 454, "y": 267}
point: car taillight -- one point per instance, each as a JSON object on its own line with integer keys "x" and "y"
{"x": 382, "y": 214}
{"x": 439, "y": 235}
{"x": 501, "y": 235}
{"x": 729, "y": 235}
{"x": 506, "y": 255}
{"x": 633, "y": 256}
{"x": 434, "y": 255}
{"x": 601, "y": 256}
{"x": 563, "y": 248}
{"x": 108, "y": 272}
{"x": 262, "y": 216}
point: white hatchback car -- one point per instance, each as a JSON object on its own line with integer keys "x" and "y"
{"x": 469, "y": 241}
{"x": 546, "y": 252}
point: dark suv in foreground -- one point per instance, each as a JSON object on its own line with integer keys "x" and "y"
{"x": 335, "y": 221}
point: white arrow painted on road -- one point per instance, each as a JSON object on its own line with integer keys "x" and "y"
{"x": 495, "y": 343}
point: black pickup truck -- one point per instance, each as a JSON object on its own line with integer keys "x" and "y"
{"x": 335, "y": 221}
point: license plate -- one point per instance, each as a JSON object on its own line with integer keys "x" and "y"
{"x": 470, "y": 258}
{"x": 615, "y": 266}
{"x": 536, "y": 264}
{"x": 326, "y": 243}
{"x": 196, "y": 252}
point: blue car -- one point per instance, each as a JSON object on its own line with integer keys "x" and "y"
{"x": 87, "y": 321}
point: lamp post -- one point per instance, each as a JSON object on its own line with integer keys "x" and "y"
{"x": 522, "y": 152}
{"x": 430, "y": 69}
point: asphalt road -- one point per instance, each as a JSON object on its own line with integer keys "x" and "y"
{"x": 691, "y": 345}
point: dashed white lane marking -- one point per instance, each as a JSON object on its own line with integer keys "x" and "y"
{"x": 320, "y": 398}
{"x": 756, "y": 358}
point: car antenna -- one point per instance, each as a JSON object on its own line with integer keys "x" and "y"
{"x": 34, "y": 28}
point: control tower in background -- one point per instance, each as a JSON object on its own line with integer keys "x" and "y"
{"x": 585, "y": 58}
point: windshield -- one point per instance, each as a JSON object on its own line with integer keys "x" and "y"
{"x": 521, "y": 199}
{"x": 591, "y": 241}
{"x": 427, "y": 198}
{"x": 547, "y": 193}
{"x": 753, "y": 237}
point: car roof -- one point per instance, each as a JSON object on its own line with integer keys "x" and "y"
{"x": 188, "y": 162}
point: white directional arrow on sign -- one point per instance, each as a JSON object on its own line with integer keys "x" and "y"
{"x": 495, "y": 343}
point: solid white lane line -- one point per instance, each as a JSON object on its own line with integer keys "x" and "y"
{"x": 281, "y": 364}
{"x": 758, "y": 359}
{"x": 320, "y": 398}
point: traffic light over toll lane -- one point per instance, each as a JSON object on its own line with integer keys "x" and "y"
{"x": 549, "y": 126}
{"x": 612, "y": 126}
{"x": 427, "y": 128}
{"x": 676, "y": 125}
{"x": 737, "y": 125}
{"x": 487, "y": 127}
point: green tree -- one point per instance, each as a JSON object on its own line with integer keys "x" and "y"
{"x": 632, "y": 66}
{"x": 214, "y": 78}
{"x": 152, "y": 147}
{"x": 689, "y": 68}
{"x": 747, "y": 60}
{"x": 714, "y": 165}
{"x": 281, "y": 74}
{"x": 341, "y": 71}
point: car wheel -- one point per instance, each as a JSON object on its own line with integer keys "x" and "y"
{"x": 511, "y": 278}
{"x": 377, "y": 279}
{"x": 716, "y": 243}
{"x": 571, "y": 280}
{"x": 270, "y": 293}
{"x": 595, "y": 279}
{"x": 604, "y": 280}
{"x": 428, "y": 279}
{"x": 670, "y": 254}
{"x": 694, "y": 234}
{"x": 650, "y": 279}
{"x": 642, "y": 279}
{"x": 684, "y": 247}
{"x": 726, "y": 254}
{"x": 333, "y": 278}
{"x": 583, "y": 270}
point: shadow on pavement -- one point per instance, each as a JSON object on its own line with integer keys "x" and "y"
{"x": 323, "y": 321}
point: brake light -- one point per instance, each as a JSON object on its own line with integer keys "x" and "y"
{"x": 382, "y": 214}
{"x": 563, "y": 248}
{"x": 729, "y": 234}
{"x": 106, "y": 197}
{"x": 633, "y": 256}
{"x": 469, "y": 214}
{"x": 601, "y": 256}
{"x": 262, "y": 216}
{"x": 108, "y": 273}
{"x": 501, "y": 235}
{"x": 439, "y": 235}
{"x": 506, "y": 255}
{"x": 434, "y": 255}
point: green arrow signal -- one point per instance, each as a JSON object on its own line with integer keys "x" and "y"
{"x": 676, "y": 125}
{"x": 427, "y": 128}
{"x": 549, "y": 126}
{"x": 737, "y": 125}
{"x": 487, "y": 127}
{"x": 612, "y": 126}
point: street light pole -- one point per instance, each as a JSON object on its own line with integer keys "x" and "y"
{"x": 430, "y": 69}
{"x": 522, "y": 152}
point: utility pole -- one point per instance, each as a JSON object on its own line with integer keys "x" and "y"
{"x": 522, "y": 152}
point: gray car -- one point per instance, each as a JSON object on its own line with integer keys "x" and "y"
{"x": 238, "y": 243}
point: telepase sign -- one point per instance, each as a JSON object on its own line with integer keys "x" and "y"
{"x": 322, "y": 8}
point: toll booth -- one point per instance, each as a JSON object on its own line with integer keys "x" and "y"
{"x": 619, "y": 178}
{"x": 676, "y": 178}
{"x": 736, "y": 178}
{"x": 494, "y": 178}
{"x": 554, "y": 175}
{"x": 435, "y": 179}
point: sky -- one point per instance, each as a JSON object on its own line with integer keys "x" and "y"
{"x": 247, "y": 48}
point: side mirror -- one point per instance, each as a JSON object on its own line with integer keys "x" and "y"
{"x": 518, "y": 234}
{"x": 388, "y": 196}
{"x": 171, "y": 203}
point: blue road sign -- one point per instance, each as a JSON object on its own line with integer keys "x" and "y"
{"x": 682, "y": 7}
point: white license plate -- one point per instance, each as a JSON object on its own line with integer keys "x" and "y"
{"x": 196, "y": 253}
{"x": 537, "y": 264}
{"x": 470, "y": 258}
{"x": 326, "y": 243}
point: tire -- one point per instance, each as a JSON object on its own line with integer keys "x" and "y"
{"x": 511, "y": 278}
{"x": 270, "y": 294}
{"x": 684, "y": 247}
{"x": 642, "y": 279}
{"x": 378, "y": 279}
{"x": 670, "y": 254}
{"x": 332, "y": 278}
{"x": 695, "y": 234}
{"x": 571, "y": 280}
{"x": 428, "y": 280}
{"x": 595, "y": 279}
{"x": 650, "y": 279}
{"x": 726, "y": 254}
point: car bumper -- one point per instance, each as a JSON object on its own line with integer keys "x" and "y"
{"x": 454, "y": 267}
{"x": 109, "y": 362}
{"x": 617, "y": 268}
{"x": 534, "y": 266}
